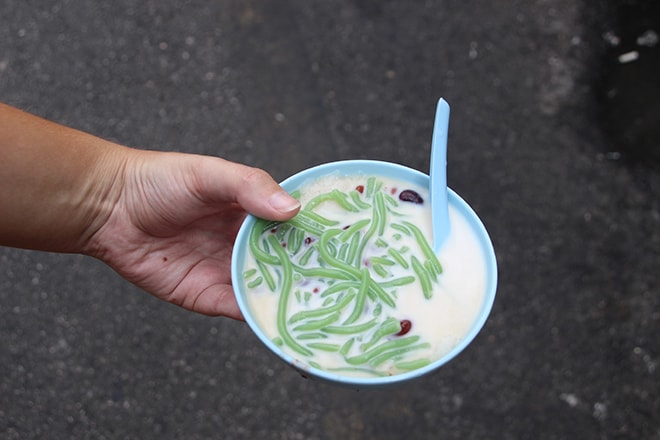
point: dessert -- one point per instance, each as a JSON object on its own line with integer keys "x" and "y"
{"x": 352, "y": 285}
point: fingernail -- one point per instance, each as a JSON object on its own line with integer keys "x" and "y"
{"x": 283, "y": 202}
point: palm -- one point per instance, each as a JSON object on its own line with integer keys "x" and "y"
{"x": 173, "y": 244}
{"x": 190, "y": 266}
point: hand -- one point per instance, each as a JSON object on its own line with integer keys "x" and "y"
{"x": 173, "y": 221}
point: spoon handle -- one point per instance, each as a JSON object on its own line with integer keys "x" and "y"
{"x": 438, "y": 175}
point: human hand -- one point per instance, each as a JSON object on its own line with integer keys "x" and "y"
{"x": 173, "y": 221}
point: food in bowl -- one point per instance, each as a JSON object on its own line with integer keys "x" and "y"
{"x": 352, "y": 286}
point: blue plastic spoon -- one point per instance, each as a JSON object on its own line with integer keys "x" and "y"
{"x": 438, "y": 176}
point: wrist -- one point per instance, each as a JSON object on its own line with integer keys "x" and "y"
{"x": 101, "y": 195}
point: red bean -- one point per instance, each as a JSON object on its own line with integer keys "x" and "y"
{"x": 408, "y": 195}
{"x": 406, "y": 325}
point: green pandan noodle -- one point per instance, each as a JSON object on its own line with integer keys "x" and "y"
{"x": 344, "y": 279}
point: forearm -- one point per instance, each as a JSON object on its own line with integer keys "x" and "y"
{"x": 56, "y": 183}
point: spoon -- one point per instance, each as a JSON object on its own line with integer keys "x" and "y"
{"x": 438, "y": 176}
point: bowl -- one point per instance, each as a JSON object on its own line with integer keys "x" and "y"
{"x": 396, "y": 171}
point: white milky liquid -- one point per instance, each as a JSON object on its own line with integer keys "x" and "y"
{"x": 440, "y": 321}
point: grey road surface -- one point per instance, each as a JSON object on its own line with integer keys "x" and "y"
{"x": 572, "y": 347}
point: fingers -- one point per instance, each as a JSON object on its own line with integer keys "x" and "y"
{"x": 254, "y": 189}
{"x": 259, "y": 194}
{"x": 218, "y": 301}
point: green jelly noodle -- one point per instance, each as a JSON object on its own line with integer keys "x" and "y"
{"x": 336, "y": 272}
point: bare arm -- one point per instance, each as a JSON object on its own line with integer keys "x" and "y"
{"x": 56, "y": 183}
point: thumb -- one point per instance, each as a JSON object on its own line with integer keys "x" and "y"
{"x": 252, "y": 188}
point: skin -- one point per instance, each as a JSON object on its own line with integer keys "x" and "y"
{"x": 164, "y": 221}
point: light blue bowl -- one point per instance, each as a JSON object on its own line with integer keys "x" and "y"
{"x": 367, "y": 167}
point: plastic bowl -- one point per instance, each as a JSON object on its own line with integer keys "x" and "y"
{"x": 367, "y": 167}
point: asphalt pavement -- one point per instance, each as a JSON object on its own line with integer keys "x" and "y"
{"x": 552, "y": 141}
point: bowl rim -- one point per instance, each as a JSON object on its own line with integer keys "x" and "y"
{"x": 394, "y": 170}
